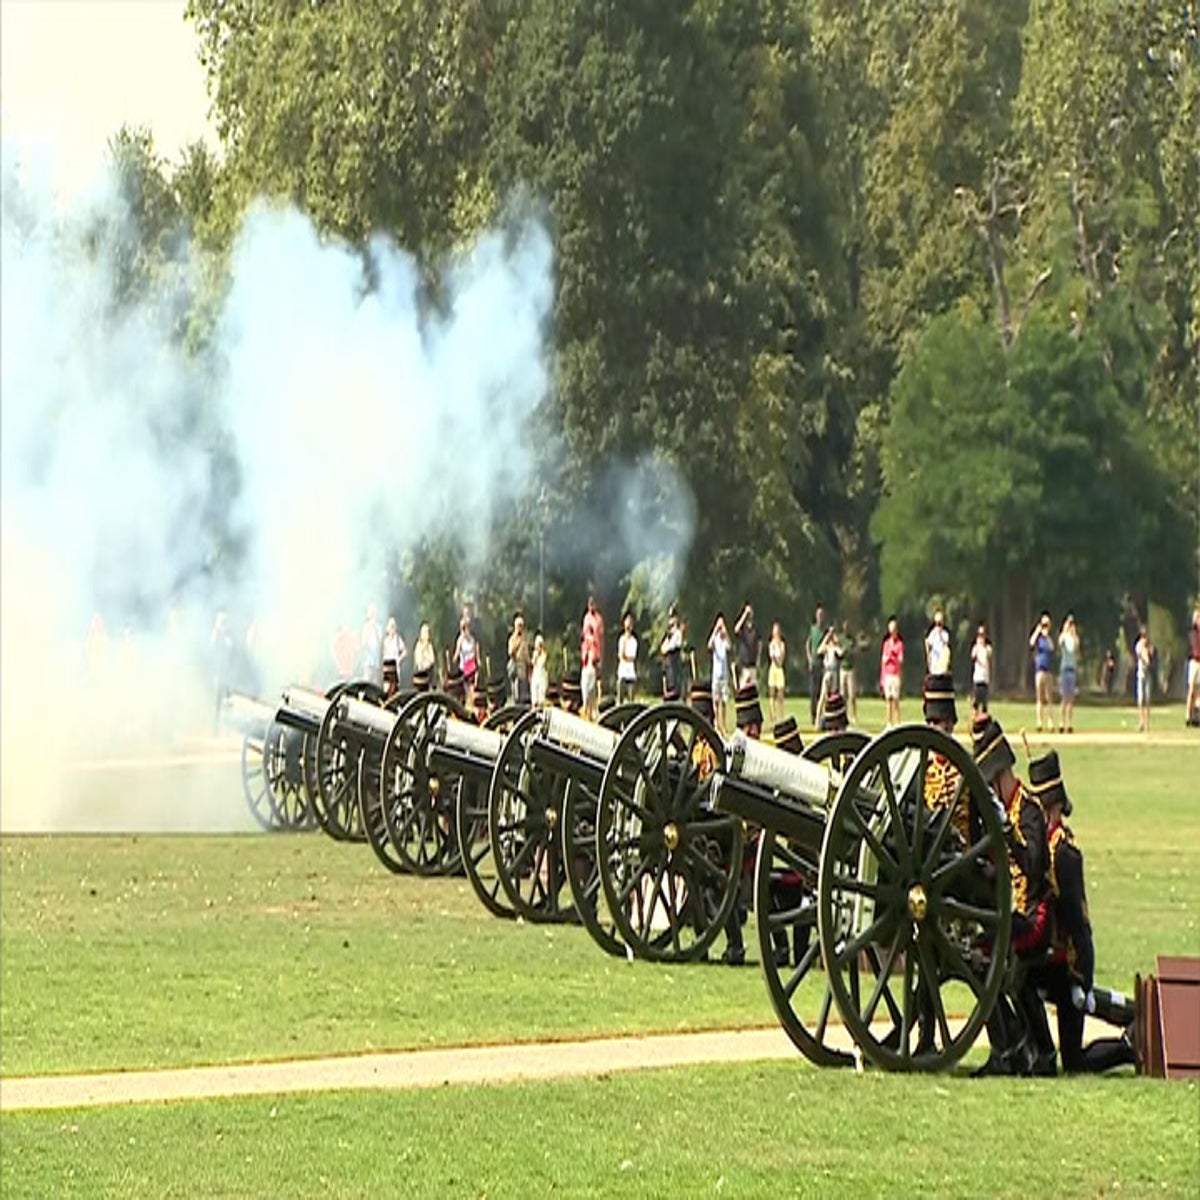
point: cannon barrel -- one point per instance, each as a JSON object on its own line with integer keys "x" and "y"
{"x": 302, "y": 709}
{"x": 467, "y": 739}
{"x": 365, "y": 718}
{"x": 248, "y": 716}
{"x": 776, "y": 770}
{"x": 567, "y": 730}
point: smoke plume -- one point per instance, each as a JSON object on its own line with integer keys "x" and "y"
{"x": 336, "y": 419}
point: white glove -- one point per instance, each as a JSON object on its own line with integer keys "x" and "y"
{"x": 1083, "y": 1001}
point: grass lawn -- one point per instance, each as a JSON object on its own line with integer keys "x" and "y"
{"x": 749, "y": 1130}
{"x": 151, "y": 950}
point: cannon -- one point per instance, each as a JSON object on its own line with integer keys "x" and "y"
{"x": 913, "y": 926}
{"x": 329, "y": 754}
{"x": 541, "y": 798}
{"x": 272, "y": 775}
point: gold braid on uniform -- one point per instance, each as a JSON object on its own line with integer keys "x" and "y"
{"x": 941, "y": 784}
{"x": 1061, "y": 837}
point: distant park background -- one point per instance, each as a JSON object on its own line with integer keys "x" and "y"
{"x": 885, "y": 307}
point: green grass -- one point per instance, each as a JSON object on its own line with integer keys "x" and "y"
{"x": 142, "y": 951}
{"x": 747, "y": 1130}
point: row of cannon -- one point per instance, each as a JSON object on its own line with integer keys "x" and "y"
{"x": 648, "y": 827}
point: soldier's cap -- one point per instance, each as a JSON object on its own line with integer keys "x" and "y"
{"x": 1046, "y": 782}
{"x": 702, "y": 698}
{"x": 571, "y": 685}
{"x": 938, "y": 696}
{"x": 420, "y": 681}
{"x": 787, "y": 735}
{"x": 835, "y": 712}
{"x": 495, "y": 692}
{"x": 992, "y": 752}
{"x": 749, "y": 711}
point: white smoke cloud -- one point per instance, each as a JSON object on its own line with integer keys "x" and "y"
{"x": 359, "y": 425}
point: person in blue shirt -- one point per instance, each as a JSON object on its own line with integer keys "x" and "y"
{"x": 1042, "y": 645}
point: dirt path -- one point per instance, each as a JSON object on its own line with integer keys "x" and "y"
{"x": 410, "y": 1069}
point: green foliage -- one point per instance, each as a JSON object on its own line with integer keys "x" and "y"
{"x": 783, "y": 230}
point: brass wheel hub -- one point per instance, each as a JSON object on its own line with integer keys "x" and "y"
{"x": 552, "y": 819}
{"x": 435, "y": 785}
{"x": 671, "y": 835}
{"x": 918, "y": 902}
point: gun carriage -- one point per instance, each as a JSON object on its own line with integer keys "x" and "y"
{"x": 272, "y": 765}
{"x": 912, "y": 925}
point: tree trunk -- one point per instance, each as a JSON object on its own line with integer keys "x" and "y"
{"x": 1012, "y": 634}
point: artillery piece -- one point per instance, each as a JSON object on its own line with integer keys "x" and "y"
{"x": 272, "y": 773}
{"x": 330, "y": 754}
{"x": 899, "y": 903}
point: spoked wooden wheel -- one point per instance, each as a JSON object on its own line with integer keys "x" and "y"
{"x": 524, "y": 811}
{"x": 785, "y": 904}
{"x": 579, "y": 847}
{"x": 370, "y": 800}
{"x": 256, "y": 786}
{"x": 471, "y": 826}
{"x": 337, "y": 758}
{"x": 911, "y": 920}
{"x": 283, "y": 764}
{"x": 670, "y": 866}
{"x": 418, "y": 805}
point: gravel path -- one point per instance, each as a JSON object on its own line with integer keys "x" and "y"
{"x": 410, "y": 1069}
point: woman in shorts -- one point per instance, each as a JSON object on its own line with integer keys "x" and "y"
{"x": 1068, "y": 664}
{"x": 777, "y": 659}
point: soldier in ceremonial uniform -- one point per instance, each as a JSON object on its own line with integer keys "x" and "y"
{"x": 1069, "y": 977}
{"x": 833, "y": 713}
{"x": 941, "y": 776}
{"x": 787, "y": 736}
{"x": 1025, "y": 832}
{"x": 749, "y": 720}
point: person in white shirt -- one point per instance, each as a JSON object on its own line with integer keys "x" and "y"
{"x": 981, "y": 668}
{"x": 719, "y": 644}
{"x": 627, "y": 650}
{"x": 937, "y": 646}
{"x": 394, "y": 653}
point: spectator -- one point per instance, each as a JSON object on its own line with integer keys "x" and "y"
{"x": 671, "y": 650}
{"x": 1191, "y": 713}
{"x": 1043, "y": 660}
{"x": 891, "y": 667}
{"x": 831, "y": 660}
{"x": 1108, "y": 672}
{"x": 776, "y": 678}
{"x": 424, "y": 656}
{"x": 539, "y": 673}
{"x": 981, "y": 669}
{"x": 345, "y": 653}
{"x": 591, "y": 640}
{"x": 937, "y": 646}
{"x": 1068, "y": 663}
{"x": 371, "y": 641}
{"x": 518, "y": 661}
{"x": 627, "y": 651}
{"x": 719, "y": 645}
{"x": 748, "y": 647}
{"x": 466, "y": 655}
{"x": 394, "y": 652}
{"x": 1143, "y": 656}
{"x": 812, "y": 655}
{"x": 849, "y": 672}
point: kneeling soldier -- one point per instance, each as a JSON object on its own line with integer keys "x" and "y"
{"x": 1025, "y": 832}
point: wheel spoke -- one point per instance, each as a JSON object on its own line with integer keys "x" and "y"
{"x": 883, "y": 973}
{"x": 850, "y": 950}
{"x": 932, "y": 987}
{"x": 873, "y": 842}
{"x": 899, "y": 837}
{"x": 823, "y": 1015}
{"x": 957, "y": 909}
{"x": 907, "y": 1012}
{"x": 802, "y": 968}
{"x": 919, "y": 810}
{"x": 945, "y": 821}
{"x": 969, "y": 858}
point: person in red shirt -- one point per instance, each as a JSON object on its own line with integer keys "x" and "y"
{"x": 591, "y": 654}
{"x": 1192, "y": 712}
{"x": 891, "y": 665}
